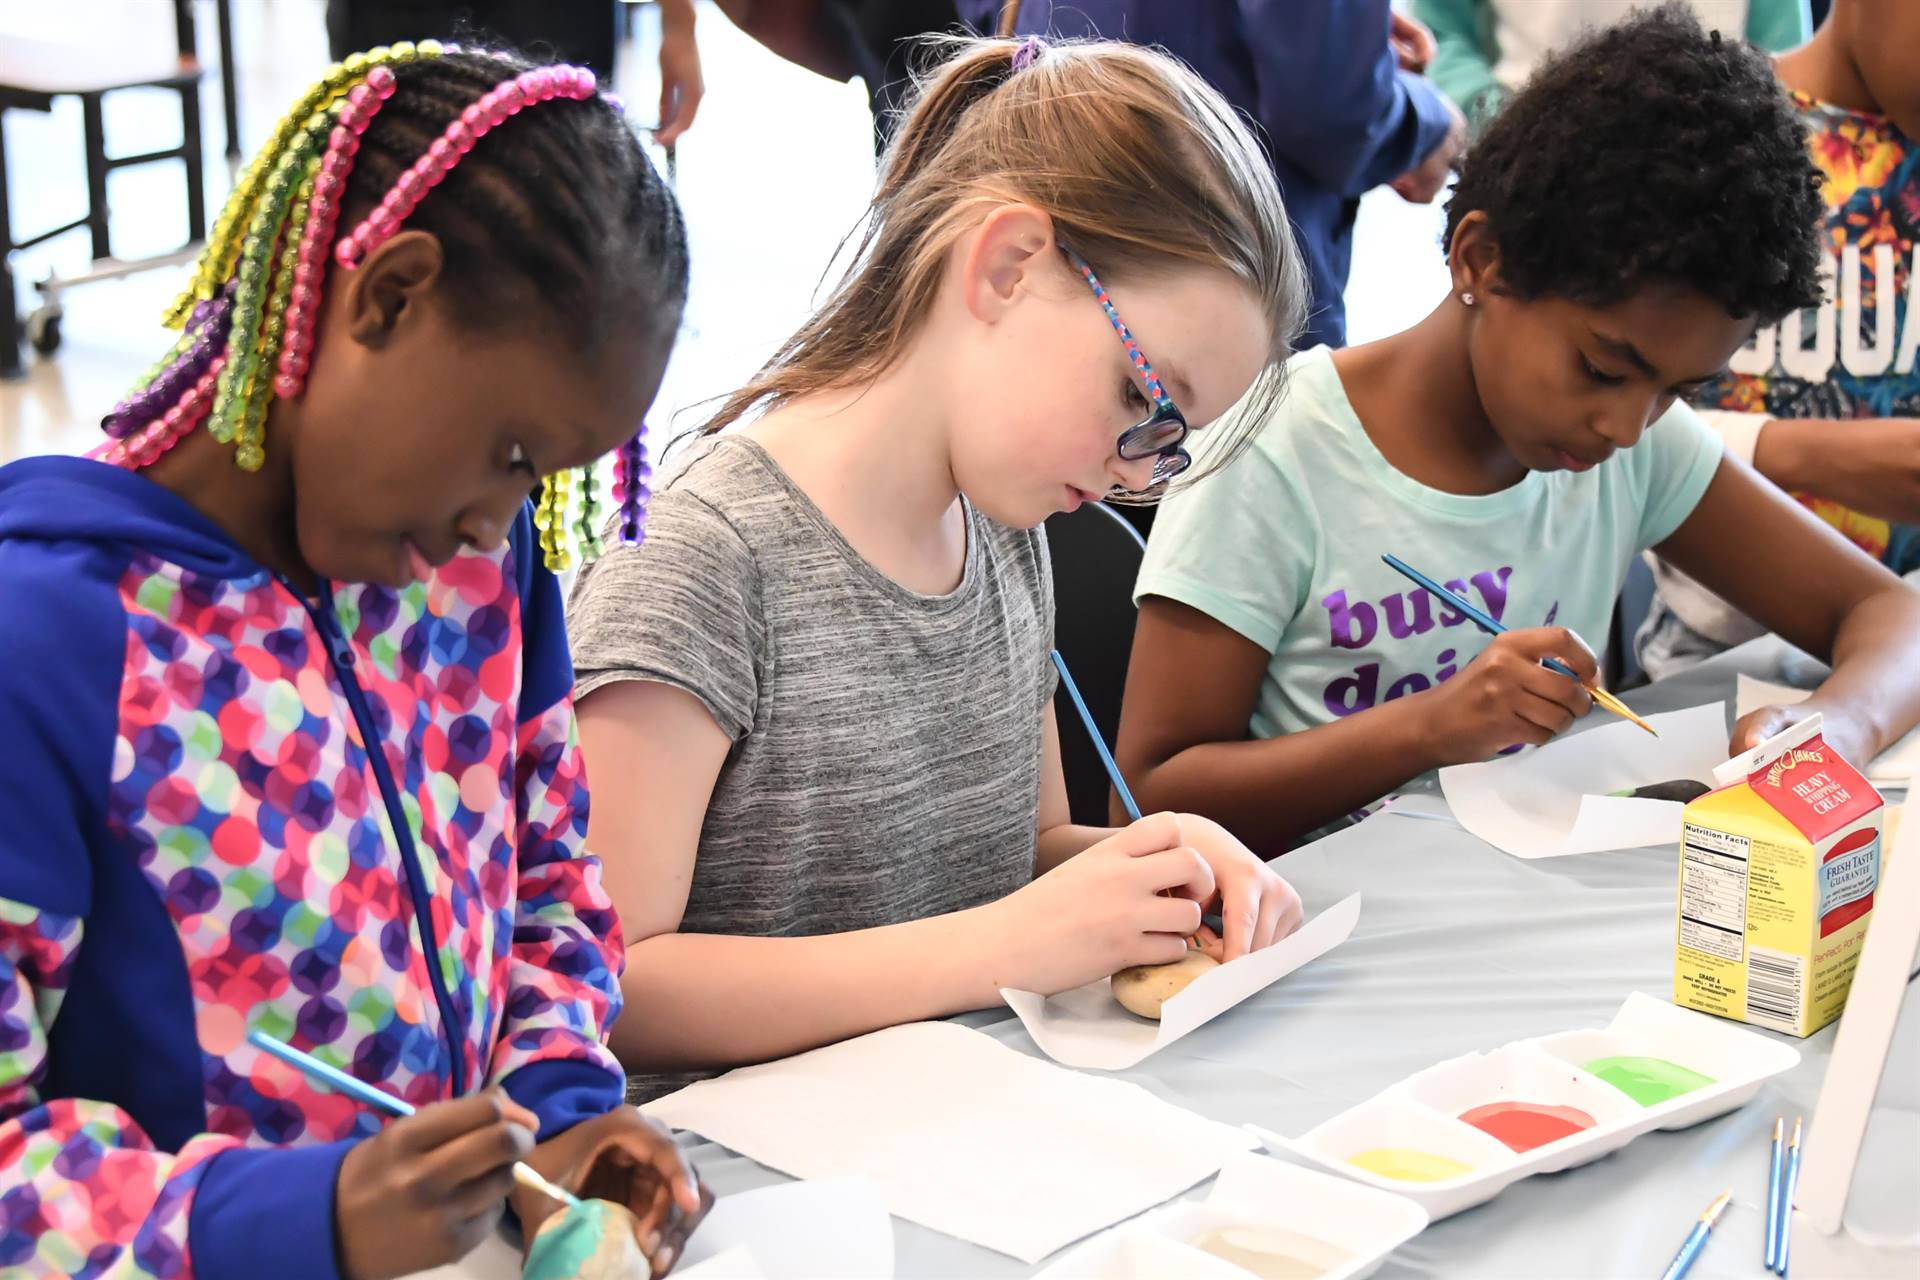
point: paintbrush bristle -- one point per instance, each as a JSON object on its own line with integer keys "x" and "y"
{"x": 527, "y": 1176}
{"x": 1619, "y": 708}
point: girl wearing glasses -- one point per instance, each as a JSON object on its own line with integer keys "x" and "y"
{"x": 1625, "y": 224}
{"x": 818, "y": 697}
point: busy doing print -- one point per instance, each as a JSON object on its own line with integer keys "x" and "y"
{"x": 1415, "y": 641}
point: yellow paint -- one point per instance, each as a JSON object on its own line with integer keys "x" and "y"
{"x": 1404, "y": 1164}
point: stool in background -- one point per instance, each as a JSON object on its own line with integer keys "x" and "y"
{"x": 35, "y": 72}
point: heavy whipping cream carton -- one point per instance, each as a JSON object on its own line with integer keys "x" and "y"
{"x": 1777, "y": 872}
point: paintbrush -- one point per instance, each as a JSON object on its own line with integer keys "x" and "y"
{"x": 1697, "y": 1238}
{"x": 1787, "y": 1187}
{"x": 1093, "y": 731}
{"x": 1776, "y": 1165}
{"x": 523, "y": 1173}
{"x": 1492, "y": 626}
{"x": 1100, "y": 747}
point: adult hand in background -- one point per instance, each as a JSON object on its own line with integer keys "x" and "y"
{"x": 681, "y": 86}
{"x": 1420, "y": 184}
{"x": 1412, "y": 43}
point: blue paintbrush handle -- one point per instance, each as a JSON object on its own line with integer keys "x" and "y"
{"x": 333, "y": 1076}
{"x": 1774, "y": 1189}
{"x": 1696, "y": 1241}
{"x": 1486, "y": 621}
{"x": 1093, "y": 731}
{"x": 1786, "y": 1207}
{"x": 381, "y": 1100}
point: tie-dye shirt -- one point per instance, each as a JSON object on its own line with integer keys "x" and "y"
{"x": 1853, "y": 356}
{"x": 351, "y": 821}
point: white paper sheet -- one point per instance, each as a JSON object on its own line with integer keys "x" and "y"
{"x": 737, "y": 1263}
{"x": 492, "y": 1259}
{"x": 1557, "y": 801}
{"x": 836, "y": 1229}
{"x": 1430, "y": 805}
{"x": 832, "y": 1229}
{"x": 1893, "y": 767}
{"x": 962, "y": 1134}
{"x": 1086, "y": 1027}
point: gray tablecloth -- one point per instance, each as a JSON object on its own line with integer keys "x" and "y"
{"x": 1461, "y": 948}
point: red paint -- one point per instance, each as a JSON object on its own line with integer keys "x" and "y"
{"x": 1526, "y": 1125}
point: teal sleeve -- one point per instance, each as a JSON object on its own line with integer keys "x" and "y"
{"x": 1680, "y": 455}
{"x": 1238, "y": 546}
{"x": 1779, "y": 25}
{"x": 1464, "y": 53}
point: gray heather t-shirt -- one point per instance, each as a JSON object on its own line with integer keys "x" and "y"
{"x": 886, "y": 744}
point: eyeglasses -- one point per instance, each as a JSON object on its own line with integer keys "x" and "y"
{"x": 1160, "y": 434}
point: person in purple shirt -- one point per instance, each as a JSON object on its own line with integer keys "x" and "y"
{"x": 1339, "y": 104}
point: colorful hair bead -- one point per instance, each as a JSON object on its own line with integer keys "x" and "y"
{"x": 329, "y": 184}
{"x": 631, "y": 489}
{"x": 143, "y": 446}
{"x": 250, "y": 312}
{"x": 169, "y": 379}
{"x": 586, "y": 527}
{"x": 217, "y": 263}
{"x": 550, "y": 518}
{"x": 494, "y": 108}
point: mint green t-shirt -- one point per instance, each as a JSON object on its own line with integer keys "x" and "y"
{"x": 1283, "y": 545}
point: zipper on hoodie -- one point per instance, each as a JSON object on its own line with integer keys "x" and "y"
{"x": 340, "y": 653}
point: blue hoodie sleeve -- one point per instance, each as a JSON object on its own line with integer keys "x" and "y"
{"x": 63, "y": 643}
{"x": 567, "y": 952}
{"x": 1333, "y": 100}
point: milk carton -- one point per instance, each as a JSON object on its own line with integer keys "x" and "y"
{"x": 1777, "y": 872}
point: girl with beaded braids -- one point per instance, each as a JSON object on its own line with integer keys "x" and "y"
{"x": 290, "y": 741}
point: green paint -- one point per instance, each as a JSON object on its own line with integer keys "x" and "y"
{"x": 1404, "y": 1164}
{"x": 591, "y": 1240}
{"x": 563, "y": 1248}
{"x": 1648, "y": 1081}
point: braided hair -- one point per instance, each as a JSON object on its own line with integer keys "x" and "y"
{"x": 562, "y": 209}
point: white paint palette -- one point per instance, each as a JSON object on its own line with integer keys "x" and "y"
{"x": 1281, "y": 1219}
{"x": 1411, "y": 1138}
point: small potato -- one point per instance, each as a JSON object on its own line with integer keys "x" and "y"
{"x": 1145, "y": 987}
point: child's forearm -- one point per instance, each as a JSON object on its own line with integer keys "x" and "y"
{"x": 1056, "y": 844}
{"x": 1270, "y": 792}
{"x": 1869, "y": 464}
{"x": 708, "y": 1000}
{"x": 1874, "y": 692}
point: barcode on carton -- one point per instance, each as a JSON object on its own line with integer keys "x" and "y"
{"x": 1776, "y": 988}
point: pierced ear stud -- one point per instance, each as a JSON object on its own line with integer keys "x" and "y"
{"x": 1466, "y": 299}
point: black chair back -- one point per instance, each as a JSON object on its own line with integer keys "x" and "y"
{"x": 1096, "y": 555}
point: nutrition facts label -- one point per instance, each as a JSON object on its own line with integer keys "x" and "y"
{"x": 1713, "y": 892}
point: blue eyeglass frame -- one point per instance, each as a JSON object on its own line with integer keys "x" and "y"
{"x": 1133, "y": 443}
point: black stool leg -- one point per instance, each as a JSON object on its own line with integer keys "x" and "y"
{"x": 190, "y": 155}
{"x": 229, "y": 90}
{"x": 11, "y": 366}
{"x": 96, "y": 141}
